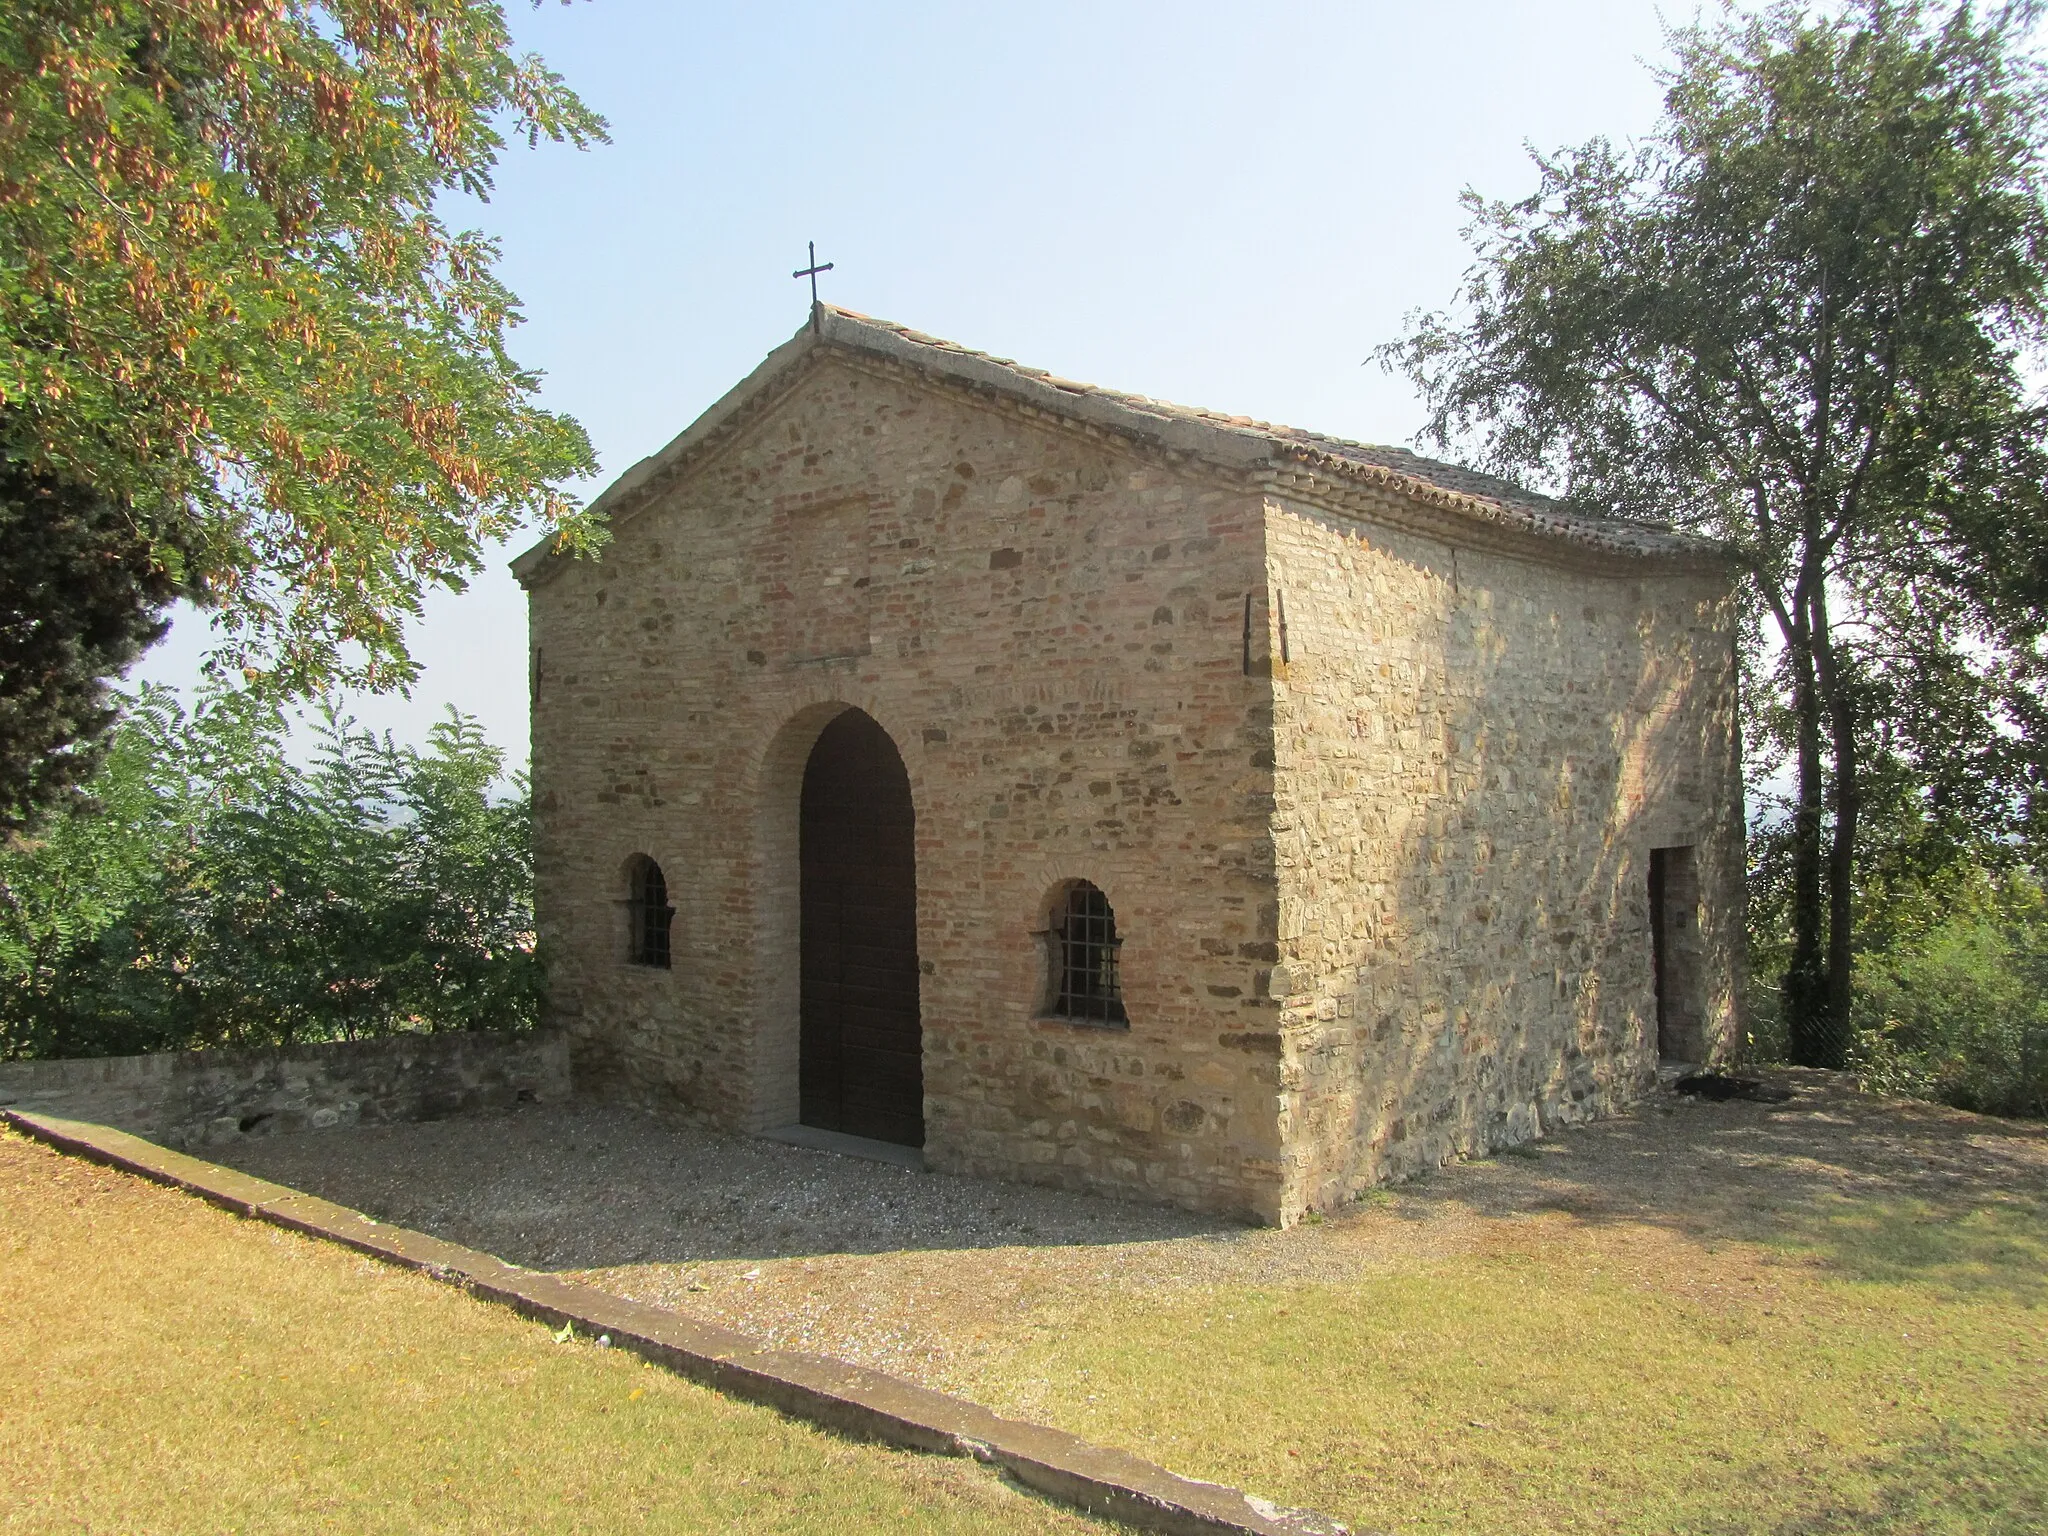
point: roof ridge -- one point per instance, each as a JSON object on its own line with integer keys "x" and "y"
{"x": 1240, "y": 443}
{"x": 1497, "y": 498}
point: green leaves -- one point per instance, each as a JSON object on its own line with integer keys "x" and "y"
{"x": 220, "y": 894}
{"x": 81, "y": 595}
{"x": 228, "y": 303}
{"x": 1957, "y": 1009}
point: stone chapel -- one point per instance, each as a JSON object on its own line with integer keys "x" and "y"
{"x": 1123, "y": 796}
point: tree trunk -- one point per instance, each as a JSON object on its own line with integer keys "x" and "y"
{"x": 1842, "y": 886}
{"x": 1848, "y": 803}
{"x": 1804, "y": 989}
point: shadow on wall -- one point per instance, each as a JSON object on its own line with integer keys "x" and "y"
{"x": 1493, "y": 794}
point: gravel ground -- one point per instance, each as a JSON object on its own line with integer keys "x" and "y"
{"x": 924, "y": 1274}
{"x": 591, "y": 1186}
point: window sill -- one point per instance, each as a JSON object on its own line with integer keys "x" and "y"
{"x": 1062, "y": 1021}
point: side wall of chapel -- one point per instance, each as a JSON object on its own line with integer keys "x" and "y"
{"x": 1476, "y": 754}
{"x": 1051, "y": 627}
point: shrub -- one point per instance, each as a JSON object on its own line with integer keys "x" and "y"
{"x": 214, "y": 893}
{"x": 1959, "y": 1012}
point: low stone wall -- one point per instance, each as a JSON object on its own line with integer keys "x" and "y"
{"x": 207, "y": 1098}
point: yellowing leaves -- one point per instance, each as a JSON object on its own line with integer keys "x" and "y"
{"x": 243, "y": 312}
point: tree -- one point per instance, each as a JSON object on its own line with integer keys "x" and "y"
{"x": 235, "y": 331}
{"x": 82, "y": 592}
{"x": 1799, "y": 318}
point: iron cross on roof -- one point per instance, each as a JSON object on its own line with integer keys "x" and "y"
{"x": 812, "y": 272}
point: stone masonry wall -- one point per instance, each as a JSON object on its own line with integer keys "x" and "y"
{"x": 1475, "y": 754}
{"x": 209, "y": 1098}
{"x": 1051, "y": 626}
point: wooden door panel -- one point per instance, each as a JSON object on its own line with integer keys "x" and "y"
{"x": 861, "y": 1067}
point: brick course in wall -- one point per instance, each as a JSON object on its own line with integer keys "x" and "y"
{"x": 1367, "y": 781}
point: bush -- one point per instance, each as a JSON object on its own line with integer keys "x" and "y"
{"x": 1950, "y": 998}
{"x": 1959, "y": 1012}
{"x": 215, "y": 893}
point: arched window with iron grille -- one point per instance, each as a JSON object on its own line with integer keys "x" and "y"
{"x": 1086, "y": 979}
{"x": 648, "y": 913}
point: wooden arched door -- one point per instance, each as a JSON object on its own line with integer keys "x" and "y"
{"x": 861, "y": 1056}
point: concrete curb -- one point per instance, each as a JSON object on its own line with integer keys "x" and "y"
{"x": 848, "y": 1399}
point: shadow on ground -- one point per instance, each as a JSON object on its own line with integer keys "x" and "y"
{"x": 1876, "y": 1189}
{"x": 593, "y": 1187}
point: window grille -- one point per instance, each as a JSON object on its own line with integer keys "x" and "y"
{"x": 1086, "y": 981}
{"x": 649, "y": 914}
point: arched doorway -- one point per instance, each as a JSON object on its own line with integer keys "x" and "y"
{"x": 861, "y": 1050}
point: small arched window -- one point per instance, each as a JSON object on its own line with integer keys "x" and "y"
{"x": 1086, "y": 981}
{"x": 648, "y": 914}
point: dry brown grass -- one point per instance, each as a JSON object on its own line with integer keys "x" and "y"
{"x": 165, "y": 1367}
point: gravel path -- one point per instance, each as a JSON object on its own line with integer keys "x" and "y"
{"x": 587, "y": 1187}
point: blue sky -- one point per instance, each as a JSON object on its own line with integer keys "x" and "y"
{"x": 1224, "y": 205}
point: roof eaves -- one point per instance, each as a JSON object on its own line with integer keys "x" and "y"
{"x": 1536, "y": 515}
{"x": 1240, "y": 442}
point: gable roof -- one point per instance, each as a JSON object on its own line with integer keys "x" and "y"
{"x": 1298, "y": 461}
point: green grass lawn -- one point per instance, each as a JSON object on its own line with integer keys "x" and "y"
{"x": 166, "y": 1367}
{"x": 1589, "y": 1380}
{"x": 1852, "y": 1335}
